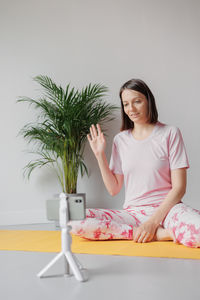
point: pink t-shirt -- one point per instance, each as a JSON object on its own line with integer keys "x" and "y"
{"x": 147, "y": 164}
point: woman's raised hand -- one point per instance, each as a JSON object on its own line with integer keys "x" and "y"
{"x": 97, "y": 140}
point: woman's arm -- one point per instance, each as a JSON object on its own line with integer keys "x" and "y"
{"x": 146, "y": 231}
{"x": 113, "y": 182}
{"x": 179, "y": 181}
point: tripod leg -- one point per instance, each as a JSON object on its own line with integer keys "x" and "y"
{"x": 74, "y": 266}
{"x": 66, "y": 266}
{"x": 50, "y": 264}
{"x": 77, "y": 262}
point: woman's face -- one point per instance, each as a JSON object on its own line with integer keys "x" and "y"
{"x": 135, "y": 106}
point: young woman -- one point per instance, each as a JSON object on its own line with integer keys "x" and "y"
{"x": 150, "y": 159}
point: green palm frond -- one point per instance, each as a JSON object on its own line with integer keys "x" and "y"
{"x": 44, "y": 159}
{"x": 52, "y": 91}
{"x": 63, "y": 122}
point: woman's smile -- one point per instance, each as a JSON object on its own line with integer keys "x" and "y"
{"x": 134, "y": 115}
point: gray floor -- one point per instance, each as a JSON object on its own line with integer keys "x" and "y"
{"x": 119, "y": 277}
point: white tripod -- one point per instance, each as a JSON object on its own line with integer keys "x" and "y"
{"x": 66, "y": 240}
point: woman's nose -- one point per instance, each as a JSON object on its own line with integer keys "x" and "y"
{"x": 132, "y": 108}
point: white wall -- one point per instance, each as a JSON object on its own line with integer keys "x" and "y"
{"x": 105, "y": 42}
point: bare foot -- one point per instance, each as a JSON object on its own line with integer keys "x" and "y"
{"x": 163, "y": 234}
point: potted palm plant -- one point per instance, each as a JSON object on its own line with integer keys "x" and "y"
{"x": 60, "y": 133}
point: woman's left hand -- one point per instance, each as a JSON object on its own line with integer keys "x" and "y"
{"x": 145, "y": 232}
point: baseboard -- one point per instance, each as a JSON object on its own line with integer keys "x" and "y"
{"x": 23, "y": 217}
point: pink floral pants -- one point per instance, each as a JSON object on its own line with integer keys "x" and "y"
{"x": 106, "y": 224}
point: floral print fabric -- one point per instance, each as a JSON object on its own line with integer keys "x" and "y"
{"x": 107, "y": 224}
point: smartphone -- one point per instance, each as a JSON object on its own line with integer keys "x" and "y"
{"x": 77, "y": 208}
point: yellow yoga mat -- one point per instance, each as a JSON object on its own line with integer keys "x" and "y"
{"x": 50, "y": 241}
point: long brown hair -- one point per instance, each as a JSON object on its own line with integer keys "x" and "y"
{"x": 139, "y": 86}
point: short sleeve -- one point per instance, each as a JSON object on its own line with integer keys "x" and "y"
{"x": 177, "y": 152}
{"x": 115, "y": 160}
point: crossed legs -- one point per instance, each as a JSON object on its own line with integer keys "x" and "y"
{"x": 105, "y": 224}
